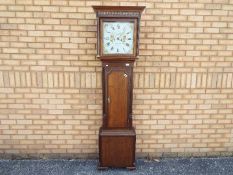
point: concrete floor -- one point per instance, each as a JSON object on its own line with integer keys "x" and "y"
{"x": 192, "y": 166}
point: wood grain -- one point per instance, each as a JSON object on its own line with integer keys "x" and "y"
{"x": 117, "y": 99}
{"x": 117, "y": 149}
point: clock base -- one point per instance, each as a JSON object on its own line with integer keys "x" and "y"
{"x": 117, "y": 148}
{"x": 105, "y": 168}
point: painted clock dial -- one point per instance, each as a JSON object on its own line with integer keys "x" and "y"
{"x": 118, "y": 37}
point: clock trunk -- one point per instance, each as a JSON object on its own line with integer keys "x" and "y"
{"x": 117, "y": 99}
{"x": 117, "y": 95}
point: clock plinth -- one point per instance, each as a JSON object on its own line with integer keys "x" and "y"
{"x": 117, "y": 48}
{"x": 117, "y": 147}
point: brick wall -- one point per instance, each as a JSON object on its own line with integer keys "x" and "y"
{"x": 50, "y": 79}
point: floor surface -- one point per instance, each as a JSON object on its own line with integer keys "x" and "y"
{"x": 192, "y": 166}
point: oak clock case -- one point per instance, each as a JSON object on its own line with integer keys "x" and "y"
{"x": 117, "y": 48}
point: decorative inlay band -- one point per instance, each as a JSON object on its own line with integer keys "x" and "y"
{"x": 118, "y": 14}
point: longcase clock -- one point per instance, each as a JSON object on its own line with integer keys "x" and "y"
{"x": 117, "y": 48}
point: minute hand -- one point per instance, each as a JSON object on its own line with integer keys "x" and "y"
{"x": 121, "y": 36}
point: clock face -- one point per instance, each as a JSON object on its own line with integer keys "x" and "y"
{"x": 118, "y": 37}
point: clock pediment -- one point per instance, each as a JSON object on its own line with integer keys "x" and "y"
{"x": 118, "y": 11}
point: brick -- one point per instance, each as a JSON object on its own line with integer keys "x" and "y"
{"x": 50, "y": 79}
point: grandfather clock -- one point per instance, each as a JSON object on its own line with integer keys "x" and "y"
{"x": 117, "y": 48}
